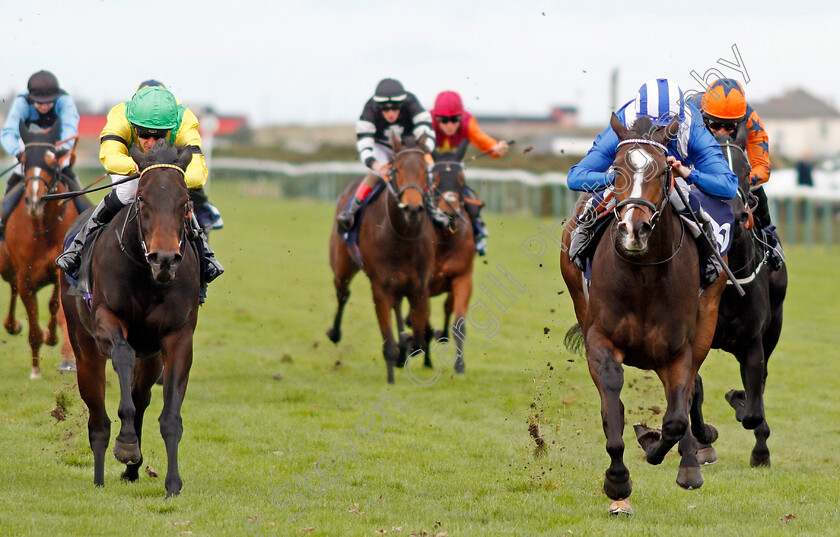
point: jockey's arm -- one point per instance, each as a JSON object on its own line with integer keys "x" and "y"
{"x": 758, "y": 150}
{"x": 188, "y": 135}
{"x": 10, "y": 136}
{"x": 711, "y": 173}
{"x": 422, "y": 121}
{"x": 114, "y": 141}
{"x": 68, "y": 114}
{"x": 590, "y": 173}
{"x": 480, "y": 140}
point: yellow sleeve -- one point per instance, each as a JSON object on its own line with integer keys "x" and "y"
{"x": 196, "y": 174}
{"x": 114, "y": 141}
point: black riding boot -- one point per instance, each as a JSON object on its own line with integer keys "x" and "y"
{"x": 710, "y": 267}
{"x": 347, "y": 218}
{"x": 212, "y": 268}
{"x": 581, "y": 236}
{"x": 10, "y": 201}
{"x": 208, "y": 215}
{"x": 776, "y": 255}
{"x": 480, "y": 232}
{"x": 71, "y": 259}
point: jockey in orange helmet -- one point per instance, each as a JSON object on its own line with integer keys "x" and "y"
{"x": 724, "y": 107}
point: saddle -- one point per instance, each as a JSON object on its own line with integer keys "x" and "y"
{"x": 351, "y": 236}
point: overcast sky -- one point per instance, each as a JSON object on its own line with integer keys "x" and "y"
{"x": 317, "y": 62}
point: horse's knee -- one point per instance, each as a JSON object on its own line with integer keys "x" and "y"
{"x": 391, "y": 351}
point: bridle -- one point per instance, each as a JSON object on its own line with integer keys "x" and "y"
{"x": 668, "y": 185}
{"x": 391, "y": 179}
{"x": 135, "y": 208}
{"x": 51, "y": 182}
{"x": 436, "y": 194}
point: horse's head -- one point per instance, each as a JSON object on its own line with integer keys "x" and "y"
{"x": 162, "y": 206}
{"x": 407, "y": 179}
{"x": 735, "y": 154}
{"x": 41, "y": 167}
{"x": 643, "y": 179}
{"x": 448, "y": 186}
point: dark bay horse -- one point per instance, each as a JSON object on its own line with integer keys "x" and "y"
{"x": 749, "y": 326}
{"x": 34, "y": 238}
{"x": 396, "y": 242}
{"x": 143, "y": 314}
{"x": 642, "y": 309}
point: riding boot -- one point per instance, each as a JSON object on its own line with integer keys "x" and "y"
{"x": 71, "y": 259}
{"x": 775, "y": 254}
{"x": 10, "y": 200}
{"x": 212, "y": 268}
{"x": 710, "y": 267}
{"x": 347, "y": 218}
{"x": 439, "y": 218}
{"x": 480, "y": 232}
{"x": 581, "y": 236}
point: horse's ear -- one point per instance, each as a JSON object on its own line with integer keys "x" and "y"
{"x": 25, "y": 133}
{"x": 185, "y": 156}
{"x": 669, "y": 132}
{"x": 396, "y": 143}
{"x": 421, "y": 143}
{"x": 137, "y": 155}
{"x": 461, "y": 151}
{"x": 619, "y": 129}
{"x": 54, "y": 131}
{"x": 741, "y": 134}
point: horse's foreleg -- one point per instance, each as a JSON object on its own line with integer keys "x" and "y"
{"x": 51, "y": 335}
{"x": 448, "y": 308}
{"x": 461, "y": 293}
{"x": 753, "y": 374}
{"x": 36, "y": 336}
{"x": 703, "y": 432}
{"x": 608, "y": 375}
{"x": 419, "y": 316}
{"x": 91, "y": 379}
{"x": 177, "y": 351}
{"x": 11, "y": 324}
{"x": 110, "y": 337}
{"x": 68, "y": 361}
{"x": 146, "y": 373}
{"x": 384, "y": 304}
{"x": 344, "y": 272}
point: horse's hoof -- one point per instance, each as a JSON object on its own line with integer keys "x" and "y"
{"x": 127, "y": 453}
{"x": 620, "y": 507}
{"x": 50, "y": 338}
{"x": 334, "y": 335}
{"x": 690, "y": 477}
{"x": 737, "y": 399}
{"x": 13, "y": 330}
{"x": 706, "y": 456}
{"x": 759, "y": 463}
{"x": 438, "y": 334}
{"x": 618, "y": 491}
{"x": 35, "y": 374}
{"x": 67, "y": 366}
{"x": 170, "y": 494}
{"x": 646, "y": 436}
{"x": 130, "y": 474}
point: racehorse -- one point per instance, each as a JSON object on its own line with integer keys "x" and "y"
{"x": 642, "y": 309}
{"x": 454, "y": 245}
{"x": 749, "y": 326}
{"x": 396, "y": 244}
{"x": 34, "y": 234}
{"x": 142, "y": 314}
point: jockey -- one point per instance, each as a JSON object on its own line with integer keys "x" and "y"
{"x": 42, "y": 105}
{"x": 694, "y": 157}
{"x": 391, "y": 111}
{"x": 724, "y": 107}
{"x": 453, "y": 125}
{"x": 151, "y": 114}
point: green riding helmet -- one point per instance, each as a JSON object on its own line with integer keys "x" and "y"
{"x": 153, "y": 109}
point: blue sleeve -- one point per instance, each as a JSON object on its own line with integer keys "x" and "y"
{"x": 68, "y": 114}
{"x": 10, "y": 136}
{"x": 588, "y": 174}
{"x": 711, "y": 173}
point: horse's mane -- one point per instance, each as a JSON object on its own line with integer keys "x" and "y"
{"x": 160, "y": 153}
{"x": 644, "y": 126}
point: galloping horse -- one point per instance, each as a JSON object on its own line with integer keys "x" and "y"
{"x": 396, "y": 244}
{"x": 643, "y": 309}
{"x": 34, "y": 235}
{"x": 749, "y": 326}
{"x": 142, "y": 314}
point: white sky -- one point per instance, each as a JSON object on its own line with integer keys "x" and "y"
{"x": 316, "y": 62}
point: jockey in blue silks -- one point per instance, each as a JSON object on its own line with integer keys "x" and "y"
{"x": 694, "y": 156}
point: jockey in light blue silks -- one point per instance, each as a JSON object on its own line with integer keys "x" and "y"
{"x": 694, "y": 156}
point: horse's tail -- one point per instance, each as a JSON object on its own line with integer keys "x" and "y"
{"x": 574, "y": 340}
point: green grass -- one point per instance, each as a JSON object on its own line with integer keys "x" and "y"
{"x": 269, "y": 396}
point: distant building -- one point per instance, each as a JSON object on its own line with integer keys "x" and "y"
{"x": 798, "y": 124}
{"x": 512, "y": 126}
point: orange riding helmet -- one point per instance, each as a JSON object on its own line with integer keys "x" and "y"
{"x": 725, "y": 99}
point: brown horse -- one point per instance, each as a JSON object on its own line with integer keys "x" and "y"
{"x": 642, "y": 309}
{"x": 34, "y": 235}
{"x": 143, "y": 314}
{"x": 749, "y": 326}
{"x": 396, "y": 243}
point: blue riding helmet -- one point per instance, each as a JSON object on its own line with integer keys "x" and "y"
{"x": 660, "y": 100}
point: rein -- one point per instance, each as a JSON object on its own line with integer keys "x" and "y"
{"x": 390, "y": 181}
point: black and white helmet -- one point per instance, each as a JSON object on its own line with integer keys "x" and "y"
{"x": 389, "y": 91}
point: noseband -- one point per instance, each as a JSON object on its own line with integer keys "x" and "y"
{"x": 390, "y": 181}
{"x": 656, "y": 212}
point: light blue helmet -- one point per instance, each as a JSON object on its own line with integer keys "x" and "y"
{"x": 660, "y": 100}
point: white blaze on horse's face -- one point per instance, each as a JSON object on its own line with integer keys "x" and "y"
{"x": 639, "y": 160}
